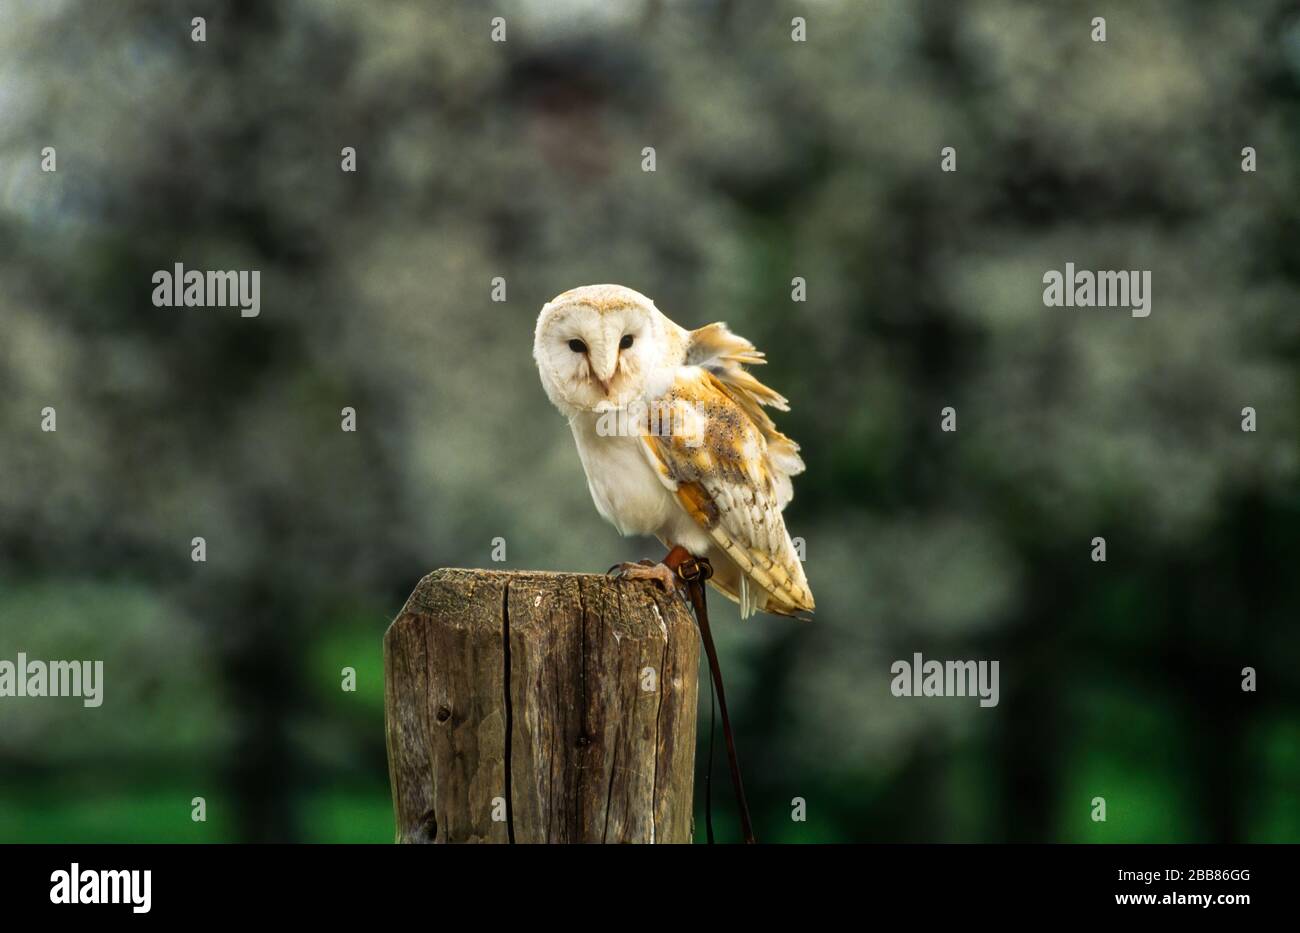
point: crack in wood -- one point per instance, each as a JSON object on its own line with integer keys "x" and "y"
{"x": 510, "y": 710}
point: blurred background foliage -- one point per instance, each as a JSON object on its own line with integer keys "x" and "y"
{"x": 775, "y": 159}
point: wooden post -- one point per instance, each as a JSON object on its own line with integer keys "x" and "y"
{"x": 541, "y": 707}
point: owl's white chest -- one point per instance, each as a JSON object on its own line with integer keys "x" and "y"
{"x": 623, "y": 485}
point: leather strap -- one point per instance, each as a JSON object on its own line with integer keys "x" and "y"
{"x": 695, "y": 571}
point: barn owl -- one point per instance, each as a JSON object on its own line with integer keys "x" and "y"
{"x": 674, "y": 442}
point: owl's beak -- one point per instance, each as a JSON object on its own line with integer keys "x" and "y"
{"x": 603, "y": 374}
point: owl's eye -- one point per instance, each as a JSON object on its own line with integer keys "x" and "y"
{"x": 577, "y": 346}
{"x": 626, "y": 342}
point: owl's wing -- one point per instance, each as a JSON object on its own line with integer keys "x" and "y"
{"x": 724, "y": 355}
{"x": 718, "y": 462}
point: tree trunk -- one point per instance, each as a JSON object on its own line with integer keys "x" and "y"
{"x": 540, "y": 707}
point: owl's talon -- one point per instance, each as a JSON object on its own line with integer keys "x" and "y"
{"x": 646, "y": 570}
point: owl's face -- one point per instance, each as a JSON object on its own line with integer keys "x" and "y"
{"x": 597, "y": 347}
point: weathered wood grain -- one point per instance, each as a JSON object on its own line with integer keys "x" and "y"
{"x": 568, "y": 699}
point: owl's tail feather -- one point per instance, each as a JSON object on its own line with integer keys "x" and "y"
{"x": 753, "y": 598}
